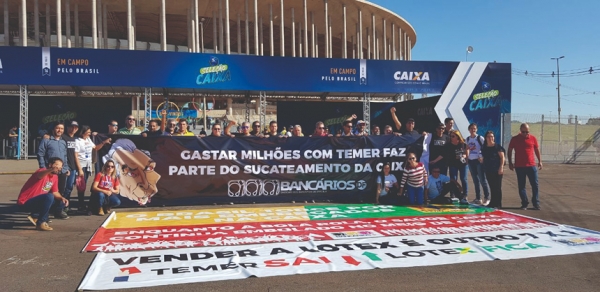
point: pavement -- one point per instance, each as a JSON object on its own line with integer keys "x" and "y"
{"x": 31, "y": 260}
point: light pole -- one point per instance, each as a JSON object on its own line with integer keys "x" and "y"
{"x": 558, "y": 91}
{"x": 202, "y": 35}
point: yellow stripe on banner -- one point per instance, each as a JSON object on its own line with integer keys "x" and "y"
{"x": 205, "y": 216}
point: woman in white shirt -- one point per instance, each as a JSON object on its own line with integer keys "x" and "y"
{"x": 387, "y": 187}
{"x": 83, "y": 149}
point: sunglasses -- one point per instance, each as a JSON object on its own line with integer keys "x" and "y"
{"x": 245, "y": 127}
{"x": 256, "y": 126}
{"x": 110, "y": 166}
{"x": 131, "y": 119}
{"x": 525, "y": 132}
{"x": 217, "y": 129}
{"x": 348, "y": 126}
{"x": 173, "y": 125}
{"x": 321, "y": 128}
{"x": 114, "y": 125}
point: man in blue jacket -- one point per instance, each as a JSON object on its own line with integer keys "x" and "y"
{"x": 56, "y": 146}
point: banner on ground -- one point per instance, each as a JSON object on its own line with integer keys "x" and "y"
{"x": 127, "y": 231}
{"x": 202, "y": 264}
{"x": 187, "y": 170}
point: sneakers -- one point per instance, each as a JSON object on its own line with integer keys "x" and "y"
{"x": 537, "y": 208}
{"x": 476, "y": 202}
{"x": 44, "y": 227}
{"x": 485, "y": 202}
{"x": 100, "y": 212}
{"x": 464, "y": 202}
{"x": 523, "y": 207}
{"x": 62, "y": 215}
{"x": 32, "y": 220}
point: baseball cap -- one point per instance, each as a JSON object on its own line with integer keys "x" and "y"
{"x": 74, "y": 124}
{"x": 410, "y": 120}
{"x": 360, "y": 122}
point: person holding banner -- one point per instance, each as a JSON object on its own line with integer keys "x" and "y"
{"x": 456, "y": 157}
{"x": 130, "y": 128}
{"x": 387, "y": 187}
{"x": 415, "y": 179}
{"x": 320, "y": 130}
{"x": 183, "y": 129}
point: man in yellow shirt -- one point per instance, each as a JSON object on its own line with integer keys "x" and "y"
{"x": 183, "y": 129}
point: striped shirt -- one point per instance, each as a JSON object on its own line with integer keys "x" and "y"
{"x": 414, "y": 176}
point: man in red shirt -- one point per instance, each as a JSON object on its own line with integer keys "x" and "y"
{"x": 40, "y": 192}
{"x": 525, "y": 146}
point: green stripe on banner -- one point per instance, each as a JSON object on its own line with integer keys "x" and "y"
{"x": 357, "y": 211}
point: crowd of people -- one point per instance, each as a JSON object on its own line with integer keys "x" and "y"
{"x": 435, "y": 165}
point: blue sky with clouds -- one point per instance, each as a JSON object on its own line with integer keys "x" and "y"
{"x": 525, "y": 33}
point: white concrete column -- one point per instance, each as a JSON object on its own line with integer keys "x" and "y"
{"x": 400, "y": 42}
{"x": 360, "y": 35}
{"x": 393, "y": 51}
{"x": 68, "y": 21}
{"x": 6, "y": 23}
{"x": 368, "y": 44}
{"x": 196, "y": 26}
{"x": 374, "y": 34}
{"x": 262, "y": 38}
{"x": 215, "y": 39}
{"x": 247, "y": 29}
{"x": 385, "y": 54}
{"x": 239, "y": 35}
{"x": 344, "y": 36}
{"x": 133, "y": 27}
{"x": 409, "y": 49}
{"x": 202, "y": 35}
{"x": 327, "y": 44}
{"x": 271, "y": 41}
{"x": 230, "y": 106}
{"x": 305, "y": 29}
{"x": 105, "y": 24}
{"x": 405, "y": 56}
{"x": 227, "y": 31}
{"x": 48, "y": 29}
{"x": 59, "y": 23}
{"x": 163, "y": 25}
{"x": 256, "y": 36}
{"x": 330, "y": 46}
{"x": 282, "y": 31}
{"x": 312, "y": 32}
{"x": 129, "y": 26}
{"x": 94, "y": 24}
{"x": 221, "y": 47}
{"x": 99, "y": 27}
{"x": 193, "y": 34}
{"x": 353, "y": 48}
{"x": 190, "y": 45}
{"x": 36, "y": 22}
{"x": 76, "y": 16}
{"x": 300, "y": 44}
{"x": 293, "y": 34}
{"x": 23, "y": 23}
{"x": 316, "y": 42}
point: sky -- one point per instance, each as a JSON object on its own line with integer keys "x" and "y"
{"x": 525, "y": 33}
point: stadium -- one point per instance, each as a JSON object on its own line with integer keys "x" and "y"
{"x": 299, "y": 28}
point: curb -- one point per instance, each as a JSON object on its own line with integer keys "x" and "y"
{"x": 12, "y": 173}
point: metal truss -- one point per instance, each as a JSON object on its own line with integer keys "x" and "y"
{"x": 23, "y": 145}
{"x": 262, "y": 108}
{"x": 367, "y": 111}
{"x": 248, "y": 103}
{"x": 147, "y": 106}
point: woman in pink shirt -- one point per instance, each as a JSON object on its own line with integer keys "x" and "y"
{"x": 415, "y": 178}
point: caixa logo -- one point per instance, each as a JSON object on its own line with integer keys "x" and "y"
{"x": 411, "y": 76}
{"x": 253, "y": 188}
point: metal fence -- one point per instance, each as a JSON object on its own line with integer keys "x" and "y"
{"x": 573, "y": 140}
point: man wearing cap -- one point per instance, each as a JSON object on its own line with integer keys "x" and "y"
{"x": 361, "y": 128}
{"x": 53, "y": 147}
{"x": 72, "y": 160}
{"x": 436, "y": 149}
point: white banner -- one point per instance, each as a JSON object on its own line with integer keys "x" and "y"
{"x": 191, "y": 265}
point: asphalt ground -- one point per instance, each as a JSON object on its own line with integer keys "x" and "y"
{"x": 31, "y": 260}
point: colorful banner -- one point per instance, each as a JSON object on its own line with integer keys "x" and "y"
{"x": 188, "y": 170}
{"x": 115, "y": 68}
{"x": 202, "y": 264}
{"x": 127, "y": 231}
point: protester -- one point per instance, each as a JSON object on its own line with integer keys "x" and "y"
{"x": 171, "y": 127}
{"x": 244, "y": 130}
{"x": 55, "y": 146}
{"x": 290, "y": 130}
{"x": 297, "y": 131}
{"x": 256, "y": 129}
{"x": 153, "y": 129}
{"x": 439, "y": 186}
{"x": 183, "y": 129}
{"x": 475, "y": 143}
{"x": 525, "y": 146}
{"x": 83, "y": 148}
{"x": 493, "y": 165}
{"x": 415, "y": 178}
{"x": 106, "y": 188}
{"x": 375, "y": 131}
{"x": 347, "y": 129}
{"x": 449, "y": 122}
{"x": 320, "y": 130}
{"x": 216, "y": 131}
{"x": 272, "y": 130}
{"x": 283, "y": 132}
{"x": 40, "y": 194}
{"x": 72, "y": 162}
{"x": 13, "y": 135}
{"x": 437, "y": 147}
{"x": 130, "y": 128}
{"x": 456, "y": 157}
{"x": 361, "y": 129}
{"x": 387, "y": 187}
{"x": 98, "y": 138}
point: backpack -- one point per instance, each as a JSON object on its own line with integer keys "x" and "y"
{"x": 478, "y": 140}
